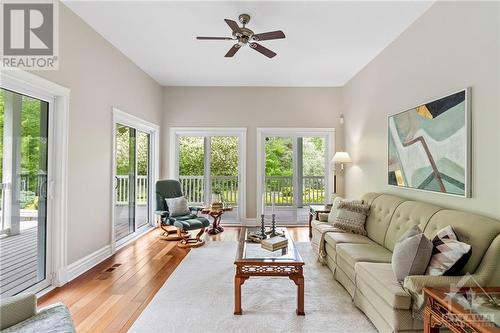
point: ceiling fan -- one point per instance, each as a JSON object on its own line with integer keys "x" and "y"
{"x": 245, "y": 36}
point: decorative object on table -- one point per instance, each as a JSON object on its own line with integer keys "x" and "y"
{"x": 429, "y": 146}
{"x": 263, "y": 227}
{"x": 340, "y": 157}
{"x": 170, "y": 188}
{"x": 449, "y": 255}
{"x": 274, "y": 243}
{"x": 351, "y": 216}
{"x": 273, "y": 225}
{"x": 217, "y": 200}
{"x": 216, "y": 214}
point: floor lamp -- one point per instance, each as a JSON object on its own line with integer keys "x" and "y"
{"x": 340, "y": 157}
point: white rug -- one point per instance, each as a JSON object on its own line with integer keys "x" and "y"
{"x": 199, "y": 297}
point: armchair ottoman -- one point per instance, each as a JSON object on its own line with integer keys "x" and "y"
{"x": 170, "y": 188}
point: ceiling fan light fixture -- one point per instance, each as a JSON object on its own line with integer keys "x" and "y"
{"x": 246, "y": 36}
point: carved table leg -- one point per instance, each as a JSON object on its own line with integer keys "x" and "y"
{"x": 430, "y": 325}
{"x": 215, "y": 228}
{"x": 238, "y": 282}
{"x": 299, "y": 281}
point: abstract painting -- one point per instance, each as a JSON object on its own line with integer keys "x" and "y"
{"x": 429, "y": 146}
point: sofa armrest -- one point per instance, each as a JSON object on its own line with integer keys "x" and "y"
{"x": 16, "y": 309}
{"x": 416, "y": 283}
{"x": 323, "y": 217}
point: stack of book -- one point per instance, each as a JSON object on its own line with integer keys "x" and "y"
{"x": 274, "y": 243}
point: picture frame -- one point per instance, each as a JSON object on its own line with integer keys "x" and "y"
{"x": 429, "y": 146}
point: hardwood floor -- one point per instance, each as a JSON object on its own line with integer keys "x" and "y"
{"x": 112, "y": 295}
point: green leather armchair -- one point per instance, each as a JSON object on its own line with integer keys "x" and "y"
{"x": 171, "y": 188}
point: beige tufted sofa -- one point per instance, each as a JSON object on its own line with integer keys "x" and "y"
{"x": 362, "y": 264}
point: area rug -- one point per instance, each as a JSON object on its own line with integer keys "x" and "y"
{"x": 199, "y": 297}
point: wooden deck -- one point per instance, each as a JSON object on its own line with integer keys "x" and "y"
{"x": 18, "y": 260}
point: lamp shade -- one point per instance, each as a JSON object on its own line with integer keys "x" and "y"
{"x": 341, "y": 157}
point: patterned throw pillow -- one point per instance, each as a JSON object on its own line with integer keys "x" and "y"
{"x": 177, "y": 206}
{"x": 351, "y": 217}
{"x": 449, "y": 255}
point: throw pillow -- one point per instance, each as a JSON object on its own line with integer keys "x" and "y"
{"x": 177, "y": 206}
{"x": 412, "y": 253}
{"x": 351, "y": 217}
{"x": 335, "y": 207}
{"x": 449, "y": 255}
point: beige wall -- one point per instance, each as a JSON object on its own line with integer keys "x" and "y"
{"x": 452, "y": 46}
{"x": 250, "y": 108}
{"x": 99, "y": 77}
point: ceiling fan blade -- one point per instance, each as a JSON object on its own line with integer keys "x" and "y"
{"x": 232, "y": 50}
{"x": 264, "y": 50}
{"x": 214, "y": 38}
{"x": 233, "y": 25}
{"x": 269, "y": 35}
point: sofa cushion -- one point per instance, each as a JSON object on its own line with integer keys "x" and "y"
{"x": 408, "y": 214}
{"x": 334, "y": 238}
{"x": 381, "y": 210}
{"x": 377, "y": 279}
{"x": 354, "y": 253}
{"x": 350, "y": 254}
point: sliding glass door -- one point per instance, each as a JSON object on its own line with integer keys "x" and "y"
{"x": 132, "y": 181}
{"x": 24, "y": 233}
{"x": 209, "y": 168}
{"x": 294, "y": 175}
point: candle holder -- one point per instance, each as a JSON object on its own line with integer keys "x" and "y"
{"x": 262, "y": 227}
{"x": 273, "y": 225}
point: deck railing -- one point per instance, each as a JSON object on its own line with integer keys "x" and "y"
{"x": 122, "y": 190}
{"x": 282, "y": 188}
{"x": 193, "y": 187}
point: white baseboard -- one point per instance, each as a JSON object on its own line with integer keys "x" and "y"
{"x": 81, "y": 266}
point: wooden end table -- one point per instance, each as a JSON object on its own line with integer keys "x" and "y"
{"x": 254, "y": 261}
{"x": 314, "y": 211}
{"x": 443, "y": 312}
{"x": 216, "y": 214}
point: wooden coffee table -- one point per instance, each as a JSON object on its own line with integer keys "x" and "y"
{"x": 254, "y": 261}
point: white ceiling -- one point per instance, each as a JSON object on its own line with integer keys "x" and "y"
{"x": 326, "y": 43}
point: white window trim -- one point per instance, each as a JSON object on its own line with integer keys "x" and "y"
{"x": 262, "y": 132}
{"x": 123, "y": 118}
{"x": 240, "y": 132}
{"x": 35, "y": 86}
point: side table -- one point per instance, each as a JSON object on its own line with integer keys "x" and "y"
{"x": 314, "y": 211}
{"x": 216, "y": 215}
